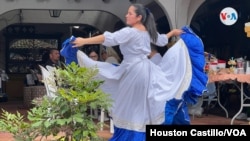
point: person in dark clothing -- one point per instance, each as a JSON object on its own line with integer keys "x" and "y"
{"x": 49, "y": 58}
{"x": 54, "y": 58}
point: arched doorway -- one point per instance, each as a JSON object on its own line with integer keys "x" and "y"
{"x": 222, "y": 40}
{"x": 87, "y": 20}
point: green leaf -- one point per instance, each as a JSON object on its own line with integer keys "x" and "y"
{"x": 61, "y": 122}
{"x": 78, "y": 90}
{"x": 37, "y": 124}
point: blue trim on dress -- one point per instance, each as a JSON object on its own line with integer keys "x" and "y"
{"x": 176, "y": 111}
{"x": 199, "y": 78}
{"x": 127, "y": 135}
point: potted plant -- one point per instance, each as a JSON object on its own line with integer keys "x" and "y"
{"x": 65, "y": 116}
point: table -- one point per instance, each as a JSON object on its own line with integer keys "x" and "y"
{"x": 241, "y": 78}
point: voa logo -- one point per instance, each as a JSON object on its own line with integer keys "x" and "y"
{"x": 228, "y": 16}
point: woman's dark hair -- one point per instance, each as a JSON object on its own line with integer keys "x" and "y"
{"x": 147, "y": 20}
{"x": 93, "y": 48}
{"x": 45, "y": 56}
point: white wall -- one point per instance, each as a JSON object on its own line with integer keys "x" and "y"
{"x": 118, "y": 8}
{"x": 180, "y": 12}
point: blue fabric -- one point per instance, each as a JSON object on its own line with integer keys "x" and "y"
{"x": 68, "y": 52}
{"x": 177, "y": 115}
{"x": 127, "y": 135}
{"x": 115, "y": 64}
{"x": 199, "y": 78}
{"x": 176, "y": 111}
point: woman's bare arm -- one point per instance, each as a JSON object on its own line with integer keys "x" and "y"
{"x": 174, "y": 32}
{"x": 79, "y": 41}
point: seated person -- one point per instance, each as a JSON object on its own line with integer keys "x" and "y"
{"x": 108, "y": 54}
{"x": 93, "y": 53}
{"x": 53, "y": 58}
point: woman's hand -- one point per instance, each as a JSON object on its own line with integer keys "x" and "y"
{"x": 78, "y": 42}
{"x": 177, "y": 32}
{"x": 174, "y": 32}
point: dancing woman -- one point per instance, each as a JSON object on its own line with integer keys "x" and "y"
{"x": 145, "y": 93}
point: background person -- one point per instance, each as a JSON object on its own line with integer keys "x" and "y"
{"x": 53, "y": 58}
{"x": 108, "y": 54}
{"x": 93, "y": 53}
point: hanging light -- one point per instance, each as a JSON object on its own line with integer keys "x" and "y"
{"x": 76, "y": 26}
{"x": 55, "y": 13}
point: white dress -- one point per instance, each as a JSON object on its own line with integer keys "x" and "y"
{"x": 156, "y": 58}
{"x": 140, "y": 88}
{"x": 145, "y": 93}
{"x": 112, "y": 60}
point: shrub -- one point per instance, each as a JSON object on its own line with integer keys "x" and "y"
{"x": 77, "y": 91}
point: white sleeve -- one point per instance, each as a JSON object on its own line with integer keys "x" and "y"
{"x": 118, "y": 37}
{"x": 162, "y": 40}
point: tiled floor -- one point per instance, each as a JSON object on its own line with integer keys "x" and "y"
{"x": 215, "y": 117}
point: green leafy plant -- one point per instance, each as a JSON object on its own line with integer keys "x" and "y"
{"x": 77, "y": 92}
{"x": 15, "y": 124}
